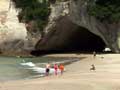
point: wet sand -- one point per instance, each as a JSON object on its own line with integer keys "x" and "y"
{"x": 77, "y": 75}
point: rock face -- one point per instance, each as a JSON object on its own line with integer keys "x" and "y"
{"x": 110, "y": 33}
{"x": 66, "y": 29}
{"x": 76, "y": 12}
{"x": 9, "y": 23}
{"x": 58, "y": 10}
{"x": 65, "y": 35}
{"x": 12, "y": 33}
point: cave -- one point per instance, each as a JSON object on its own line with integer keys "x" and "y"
{"x": 82, "y": 40}
{"x": 67, "y": 37}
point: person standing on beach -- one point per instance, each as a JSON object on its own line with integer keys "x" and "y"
{"x": 56, "y": 68}
{"x": 93, "y": 67}
{"x": 61, "y": 67}
{"x": 94, "y": 54}
{"x": 47, "y": 69}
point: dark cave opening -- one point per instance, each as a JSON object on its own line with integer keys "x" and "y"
{"x": 79, "y": 41}
{"x": 68, "y": 37}
{"x": 82, "y": 40}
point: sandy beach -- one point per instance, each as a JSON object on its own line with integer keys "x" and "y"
{"x": 77, "y": 75}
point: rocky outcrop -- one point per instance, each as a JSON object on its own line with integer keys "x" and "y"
{"x": 12, "y": 33}
{"x": 58, "y": 37}
{"x": 110, "y": 33}
{"x": 58, "y": 10}
{"x": 14, "y": 36}
{"x": 68, "y": 21}
{"x": 67, "y": 36}
{"x": 64, "y": 35}
{"x": 76, "y": 11}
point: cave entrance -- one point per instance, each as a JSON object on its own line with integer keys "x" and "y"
{"x": 82, "y": 40}
{"x": 68, "y": 37}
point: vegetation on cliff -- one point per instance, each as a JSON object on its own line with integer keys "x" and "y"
{"x": 33, "y": 10}
{"x": 105, "y": 10}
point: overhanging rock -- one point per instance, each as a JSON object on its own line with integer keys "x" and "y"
{"x": 110, "y": 33}
{"x": 67, "y": 36}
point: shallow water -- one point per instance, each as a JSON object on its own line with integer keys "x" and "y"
{"x": 15, "y": 68}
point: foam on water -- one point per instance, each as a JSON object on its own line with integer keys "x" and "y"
{"x": 14, "y": 68}
{"x": 28, "y": 64}
{"x": 36, "y": 69}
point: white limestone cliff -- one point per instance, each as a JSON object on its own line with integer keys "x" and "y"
{"x": 10, "y": 28}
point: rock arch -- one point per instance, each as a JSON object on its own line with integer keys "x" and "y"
{"x": 66, "y": 36}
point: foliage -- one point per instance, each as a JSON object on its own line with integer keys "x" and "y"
{"x": 105, "y": 10}
{"x": 37, "y": 10}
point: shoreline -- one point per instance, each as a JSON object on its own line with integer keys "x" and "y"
{"x": 36, "y": 69}
{"x": 77, "y": 77}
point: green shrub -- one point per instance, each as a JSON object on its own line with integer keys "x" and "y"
{"x": 105, "y": 10}
{"x": 33, "y": 10}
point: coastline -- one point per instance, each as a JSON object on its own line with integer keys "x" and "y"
{"x": 77, "y": 75}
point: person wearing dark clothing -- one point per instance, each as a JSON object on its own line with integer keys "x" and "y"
{"x": 93, "y": 67}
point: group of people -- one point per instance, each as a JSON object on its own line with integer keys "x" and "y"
{"x": 56, "y": 68}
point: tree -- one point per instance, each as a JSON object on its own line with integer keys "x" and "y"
{"x": 105, "y": 10}
{"x": 33, "y": 10}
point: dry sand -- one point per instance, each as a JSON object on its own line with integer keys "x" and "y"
{"x": 77, "y": 76}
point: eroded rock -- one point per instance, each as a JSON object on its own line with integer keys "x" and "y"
{"x": 110, "y": 33}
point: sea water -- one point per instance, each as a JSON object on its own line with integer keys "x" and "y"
{"x": 16, "y": 68}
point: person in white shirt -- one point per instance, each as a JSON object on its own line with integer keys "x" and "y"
{"x": 47, "y": 69}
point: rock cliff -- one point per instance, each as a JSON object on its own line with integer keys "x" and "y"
{"x": 13, "y": 35}
{"x": 76, "y": 12}
{"x": 70, "y": 27}
{"x": 67, "y": 36}
{"x": 62, "y": 34}
{"x": 110, "y": 33}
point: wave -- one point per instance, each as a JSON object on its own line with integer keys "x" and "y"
{"x": 31, "y": 64}
{"x": 36, "y": 69}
